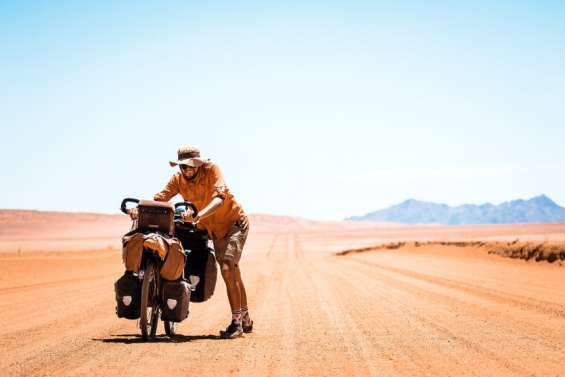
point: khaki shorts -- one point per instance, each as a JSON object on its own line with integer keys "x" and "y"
{"x": 231, "y": 246}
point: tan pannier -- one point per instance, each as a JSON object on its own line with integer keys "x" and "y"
{"x": 157, "y": 243}
{"x": 132, "y": 250}
{"x": 169, "y": 249}
{"x": 175, "y": 260}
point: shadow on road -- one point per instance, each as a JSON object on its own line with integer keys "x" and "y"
{"x": 136, "y": 338}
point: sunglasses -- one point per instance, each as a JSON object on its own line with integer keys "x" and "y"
{"x": 186, "y": 167}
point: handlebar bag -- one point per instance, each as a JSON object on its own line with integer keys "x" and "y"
{"x": 176, "y": 297}
{"x": 156, "y": 217}
{"x": 128, "y": 296}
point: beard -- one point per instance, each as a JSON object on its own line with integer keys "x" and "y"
{"x": 190, "y": 176}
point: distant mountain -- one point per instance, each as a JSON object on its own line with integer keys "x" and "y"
{"x": 539, "y": 209}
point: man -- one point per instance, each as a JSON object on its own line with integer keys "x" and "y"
{"x": 200, "y": 181}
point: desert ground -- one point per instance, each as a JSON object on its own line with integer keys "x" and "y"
{"x": 438, "y": 302}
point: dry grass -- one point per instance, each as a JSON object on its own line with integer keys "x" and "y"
{"x": 386, "y": 246}
{"x": 548, "y": 251}
{"x": 538, "y": 251}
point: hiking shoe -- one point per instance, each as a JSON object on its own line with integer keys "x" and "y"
{"x": 247, "y": 326}
{"x": 246, "y": 322}
{"x": 234, "y": 330}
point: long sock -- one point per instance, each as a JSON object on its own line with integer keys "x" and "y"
{"x": 245, "y": 314}
{"x": 236, "y": 315}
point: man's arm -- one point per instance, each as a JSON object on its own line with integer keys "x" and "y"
{"x": 212, "y": 207}
{"x": 219, "y": 194}
{"x": 170, "y": 190}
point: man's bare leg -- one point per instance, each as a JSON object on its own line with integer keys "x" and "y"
{"x": 241, "y": 287}
{"x": 235, "y": 329}
{"x": 247, "y": 323}
{"x": 230, "y": 278}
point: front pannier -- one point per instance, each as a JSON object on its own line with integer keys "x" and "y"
{"x": 174, "y": 262}
{"x": 176, "y": 297}
{"x": 202, "y": 263}
{"x": 128, "y": 294}
{"x": 132, "y": 251}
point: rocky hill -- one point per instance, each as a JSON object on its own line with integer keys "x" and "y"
{"x": 539, "y": 209}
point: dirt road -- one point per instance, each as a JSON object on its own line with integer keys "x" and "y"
{"x": 408, "y": 312}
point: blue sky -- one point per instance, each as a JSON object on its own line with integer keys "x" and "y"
{"x": 318, "y": 109}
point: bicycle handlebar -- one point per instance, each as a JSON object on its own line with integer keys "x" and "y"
{"x": 123, "y": 207}
{"x": 185, "y": 204}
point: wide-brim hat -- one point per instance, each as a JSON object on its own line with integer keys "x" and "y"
{"x": 188, "y": 155}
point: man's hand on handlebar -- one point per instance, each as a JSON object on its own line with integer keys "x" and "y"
{"x": 133, "y": 213}
{"x": 186, "y": 215}
{"x": 189, "y": 217}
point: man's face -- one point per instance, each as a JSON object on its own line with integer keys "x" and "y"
{"x": 188, "y": 172}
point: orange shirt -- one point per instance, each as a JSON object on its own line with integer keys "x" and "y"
{"x": 207, "y": 184}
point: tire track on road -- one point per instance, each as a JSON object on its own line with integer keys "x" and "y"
{"x": 413, "y": 306}
{"x": 475, "y": 290}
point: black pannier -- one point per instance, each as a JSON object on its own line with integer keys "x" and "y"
{"x": 176, "y": 296}
{"x": 128, "y": 294}
{"x": 202, "y": 263}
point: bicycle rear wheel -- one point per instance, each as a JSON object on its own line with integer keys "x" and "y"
{"x": 149, "y": 318}
{"x": 170, "y": 328}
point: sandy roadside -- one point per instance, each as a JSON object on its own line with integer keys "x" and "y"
{"x": 428, "y": 310}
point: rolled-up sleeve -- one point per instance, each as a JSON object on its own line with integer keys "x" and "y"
{"x": 170, "y": 190}
{"x": 217, "y": 183}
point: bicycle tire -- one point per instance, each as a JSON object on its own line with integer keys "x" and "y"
{"x": 148, "y": 319}
{"x": 170, "y": 328}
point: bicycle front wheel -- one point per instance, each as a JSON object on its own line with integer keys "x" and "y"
{"x": 149, "y": 302}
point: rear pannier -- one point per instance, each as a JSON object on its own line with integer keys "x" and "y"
{"x": 128, "y": 293}
{"x": 176, "y": 297}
